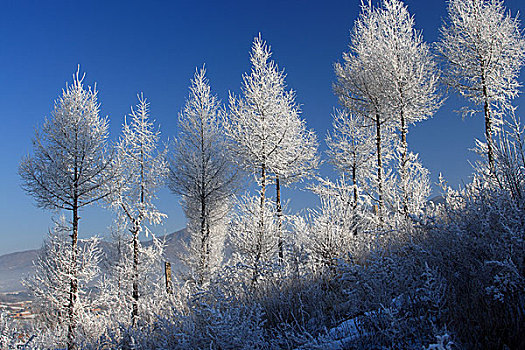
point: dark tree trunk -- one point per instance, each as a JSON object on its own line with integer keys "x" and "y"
{"x": 167, "y": 277}
{"x": 379, "y": 170}
{"x": 354, "y": 182}
{"x": 135, "y": 292}
{"x": 259, "y": 242}
{"x": 135, "y": 233}
{"x": 204, "y": 234}
{"x": 488, "y": 129}
{"x": 119, "y": 254}
{"x": 279, "y": 219}
{"x": 403, "y": 168}
{"x": 204, "y": 243}
{"x": 263, "y": 194}
{"x": 73, "y": 290}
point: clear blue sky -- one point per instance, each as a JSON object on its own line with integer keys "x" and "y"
{"x": 154, "y": 46}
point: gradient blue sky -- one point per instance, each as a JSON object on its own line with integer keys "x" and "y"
{"x": 154, "y": 47}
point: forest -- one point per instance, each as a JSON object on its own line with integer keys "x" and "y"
{"x": 376, "y": 265}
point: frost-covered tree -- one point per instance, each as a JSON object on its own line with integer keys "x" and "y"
{"x": 202, "y": 172}
{"x": 390, "y": 69}
{"x": 254, "y": 248}
{"x": 117, "y": 287}
{"x": 268, "y": 135}
{"x": 351, "y": 149}
{"x": 54, "y": 268}
{"x": 334, "y": 226}
{"x": 510, "y": 152}
{"x": 484, "y": 49}
{"x": 257, "y": 120}
{"x": 142, "y": 168}
{"x": 415, "y": 185}
{"x": 295, "y": 159}
{"x": 70, "y": 169}
{"x": 411, "y": 79}
{"x": 360, "y": 88}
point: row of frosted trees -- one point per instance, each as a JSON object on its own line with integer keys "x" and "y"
{"x": 248, "y": 260}
{"x": 73, "y": 166}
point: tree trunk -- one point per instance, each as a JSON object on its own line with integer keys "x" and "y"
{"x": 354, "y": 183}
{"x": 263, "y": 195}
{"x": 261, "y": 226}
{"x": 379, "y": 170}
{"x": 279, "y": 219}
{"x": 403, "y": 166}
{"x": 488, "y": 128}
{"x": 73, "y": 290}
{"x": 204, "y": 242}
{"x": 204, "y": 232}
{"x": 119, "y": 254}
{"x": 135, "y": 233}
{"x": 207, "y": 249}
{"x": 135, "y": 292}
{"x": 167, "y": 277}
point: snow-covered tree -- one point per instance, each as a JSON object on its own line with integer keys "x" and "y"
{"x": 142, "y": 168}
{"x": 267, "y": 133}
{"x": 360, "y": 88}
{"x": 484, "y": 49}
{"x": 54, "y": 268}
{"x": 202, "y": 172}
{"x": 334, "y": 227}
{"x": 351, "y": 149}
{"x": 410, "y": 76}
{"x": 70, "y": 169}
{"x": 510, "y": 152}
{"x": 257, "y": 120}
{"x": 389, "y": 72}
{"x": 254, "y": 248}
{"x": 294, "y": 160}
{"x": 296, "y": 157}
{"x": 415, "y": 184}
{"x": 117, "y": 287}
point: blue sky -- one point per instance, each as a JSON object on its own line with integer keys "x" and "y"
{"x": 154, "y": 47}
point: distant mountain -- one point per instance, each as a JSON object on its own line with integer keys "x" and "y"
{"x": 174, "y": 248}
{"x": 14, "y": 267}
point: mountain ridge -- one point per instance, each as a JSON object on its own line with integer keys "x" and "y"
{"x": 16, "y": 266}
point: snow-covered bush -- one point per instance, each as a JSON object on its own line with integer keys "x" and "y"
{"x": 8, "y": 332}
{"x": 444, "y": 342}
{"x": 220, "y": 322}
{"x": 480, "y": 252}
